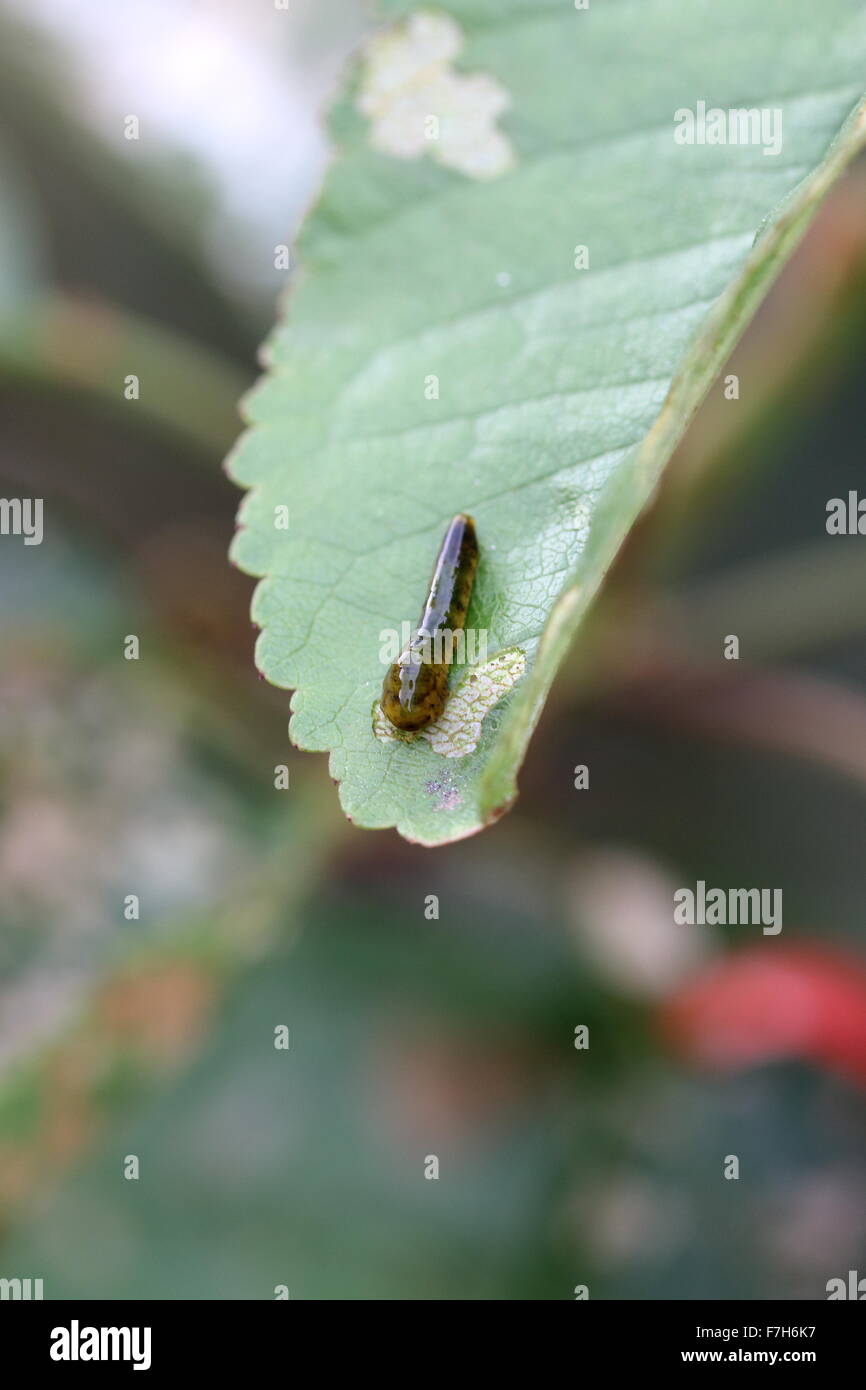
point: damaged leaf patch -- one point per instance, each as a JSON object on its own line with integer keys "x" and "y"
{"x": 417, "y": 104}
{"x": 457, "y": 731}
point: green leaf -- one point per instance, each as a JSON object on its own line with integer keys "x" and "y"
{"x": 562, "y": 391}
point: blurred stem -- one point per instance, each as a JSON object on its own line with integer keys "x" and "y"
{"x": 776, "y": 711}
{"x": 789, "y": 602}
{"x": 660, "y": 657}
{"x": 74, "y": 343}
{"x": 778, "y": 607}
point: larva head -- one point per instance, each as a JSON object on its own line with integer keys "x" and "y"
{"x": 414, "y": 694}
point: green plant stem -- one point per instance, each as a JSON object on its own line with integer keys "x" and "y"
{"x": 79, "y": 344}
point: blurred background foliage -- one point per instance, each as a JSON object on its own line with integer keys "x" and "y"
{"x": 261, "y": 907}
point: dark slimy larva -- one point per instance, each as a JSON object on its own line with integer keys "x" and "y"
{"x": 416, "y": 687}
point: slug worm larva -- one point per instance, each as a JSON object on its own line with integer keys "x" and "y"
{"x": 416, "y": 686}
